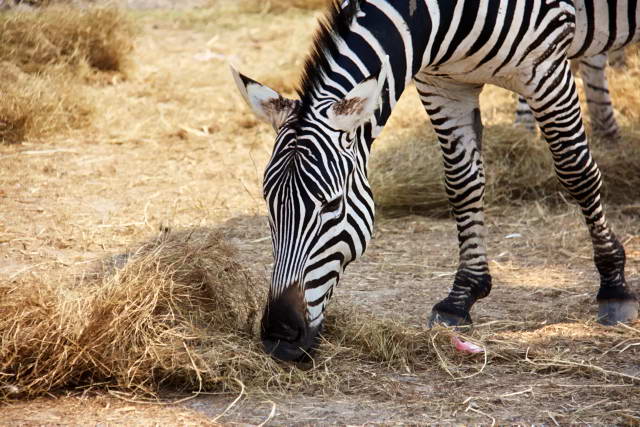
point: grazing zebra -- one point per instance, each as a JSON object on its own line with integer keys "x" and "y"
{"x": 592, "y": 69}
{"x": 320, "y": 205}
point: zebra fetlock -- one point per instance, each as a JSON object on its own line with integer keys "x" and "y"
{"x": 455, "y": 309}
{"x": 616, "y": 301}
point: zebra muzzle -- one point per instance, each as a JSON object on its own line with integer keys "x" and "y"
{"x": 284, "y": 330}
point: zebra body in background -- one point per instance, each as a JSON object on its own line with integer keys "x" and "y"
{"x": 596, "y": 87}
{"x": 320, "y": 205}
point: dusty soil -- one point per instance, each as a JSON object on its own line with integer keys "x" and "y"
{"x": 174, "y": 145}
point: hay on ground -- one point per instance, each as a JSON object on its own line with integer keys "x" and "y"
{"x": 79, "y": 38}
{"x": 180, "y": 312}
{"x": 176, "y": 312}
{"x": 407, "y": 175}
{"x": 45, "y": 56}
{"x": 38, "y": 106}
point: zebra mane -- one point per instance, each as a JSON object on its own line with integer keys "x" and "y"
{"x": 333, "y": 26}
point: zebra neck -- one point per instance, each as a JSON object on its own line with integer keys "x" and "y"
{"x": 354, "y": 44}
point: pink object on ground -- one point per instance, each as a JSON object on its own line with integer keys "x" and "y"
{"x": 466, "y": 347}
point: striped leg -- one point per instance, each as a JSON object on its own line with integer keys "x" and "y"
{"x": 557, "y": 111}
{"x": 603, "y": 121}
{"x": 524, "y": 116}
{"x": 455, "y": 116}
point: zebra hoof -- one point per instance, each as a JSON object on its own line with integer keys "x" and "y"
{"x": 612, "y": 136}
{"x": 449, "y": 319}
{"x": 614, "y": 311}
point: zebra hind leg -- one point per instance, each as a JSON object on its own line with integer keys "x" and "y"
{"x": 596, "y": 87}
{"x": 524, "y": 116}
{"x": 559, "y": 119}
{"x": 455, "y": 116}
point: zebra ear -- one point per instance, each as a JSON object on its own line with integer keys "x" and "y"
{"x": 358, "y": 106}
{"x": 267, "y": 104}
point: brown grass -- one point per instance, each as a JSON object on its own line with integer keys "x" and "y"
{"x": 35, "y": 106}
{"x": 35, "y": 41}
{"x": 176, "y": 311}
{"x": 45, "y": 57}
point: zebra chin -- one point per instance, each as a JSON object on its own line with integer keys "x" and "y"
{"x": 285, "y": 332}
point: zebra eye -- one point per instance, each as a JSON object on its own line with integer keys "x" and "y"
{"x": 332, "y": 205}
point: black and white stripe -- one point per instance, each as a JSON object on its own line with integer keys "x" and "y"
{"x": 596, "y": 87}
{"x": 366, "y": 52}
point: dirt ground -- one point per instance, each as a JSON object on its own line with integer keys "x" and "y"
{"x": 174, "y": 145}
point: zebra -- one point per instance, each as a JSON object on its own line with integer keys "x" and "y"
{"x": 365, "y": 53}
{"x": 596, "y": 87}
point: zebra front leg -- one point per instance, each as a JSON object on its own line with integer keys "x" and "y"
{"x": 594, "y": 77}
{"x": 455, "y": 115}
{"x": 557, "y": 111}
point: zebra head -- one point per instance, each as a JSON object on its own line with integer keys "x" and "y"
{"x": 319, "y": 202}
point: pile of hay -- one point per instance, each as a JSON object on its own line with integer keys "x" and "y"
{"x": 46, "y": 55}
{"x": 77, "y": 38}
{"x": 406, "y": 175}
{"x": 39, "y": 105}
{"x": 178, "y": 311}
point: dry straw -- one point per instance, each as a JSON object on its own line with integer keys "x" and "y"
{"x": 37, "y": 40}
{"x": 407, "y": 175}
{"x": 45, "y": 57}
{"x": 181, "y": 312}
{"x": 39, "y": 105}
{"x": 178, "y": 311}
{"x": 277, "y": 6}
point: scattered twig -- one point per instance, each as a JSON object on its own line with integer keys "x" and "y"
{"x": 232, "y": 404}
{"x": 271, "y": 414}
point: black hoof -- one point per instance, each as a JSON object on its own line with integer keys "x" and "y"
{"x": 449, "y": 319}
{"x": 613, "y": 311}
{"x": 611, "y": 137}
